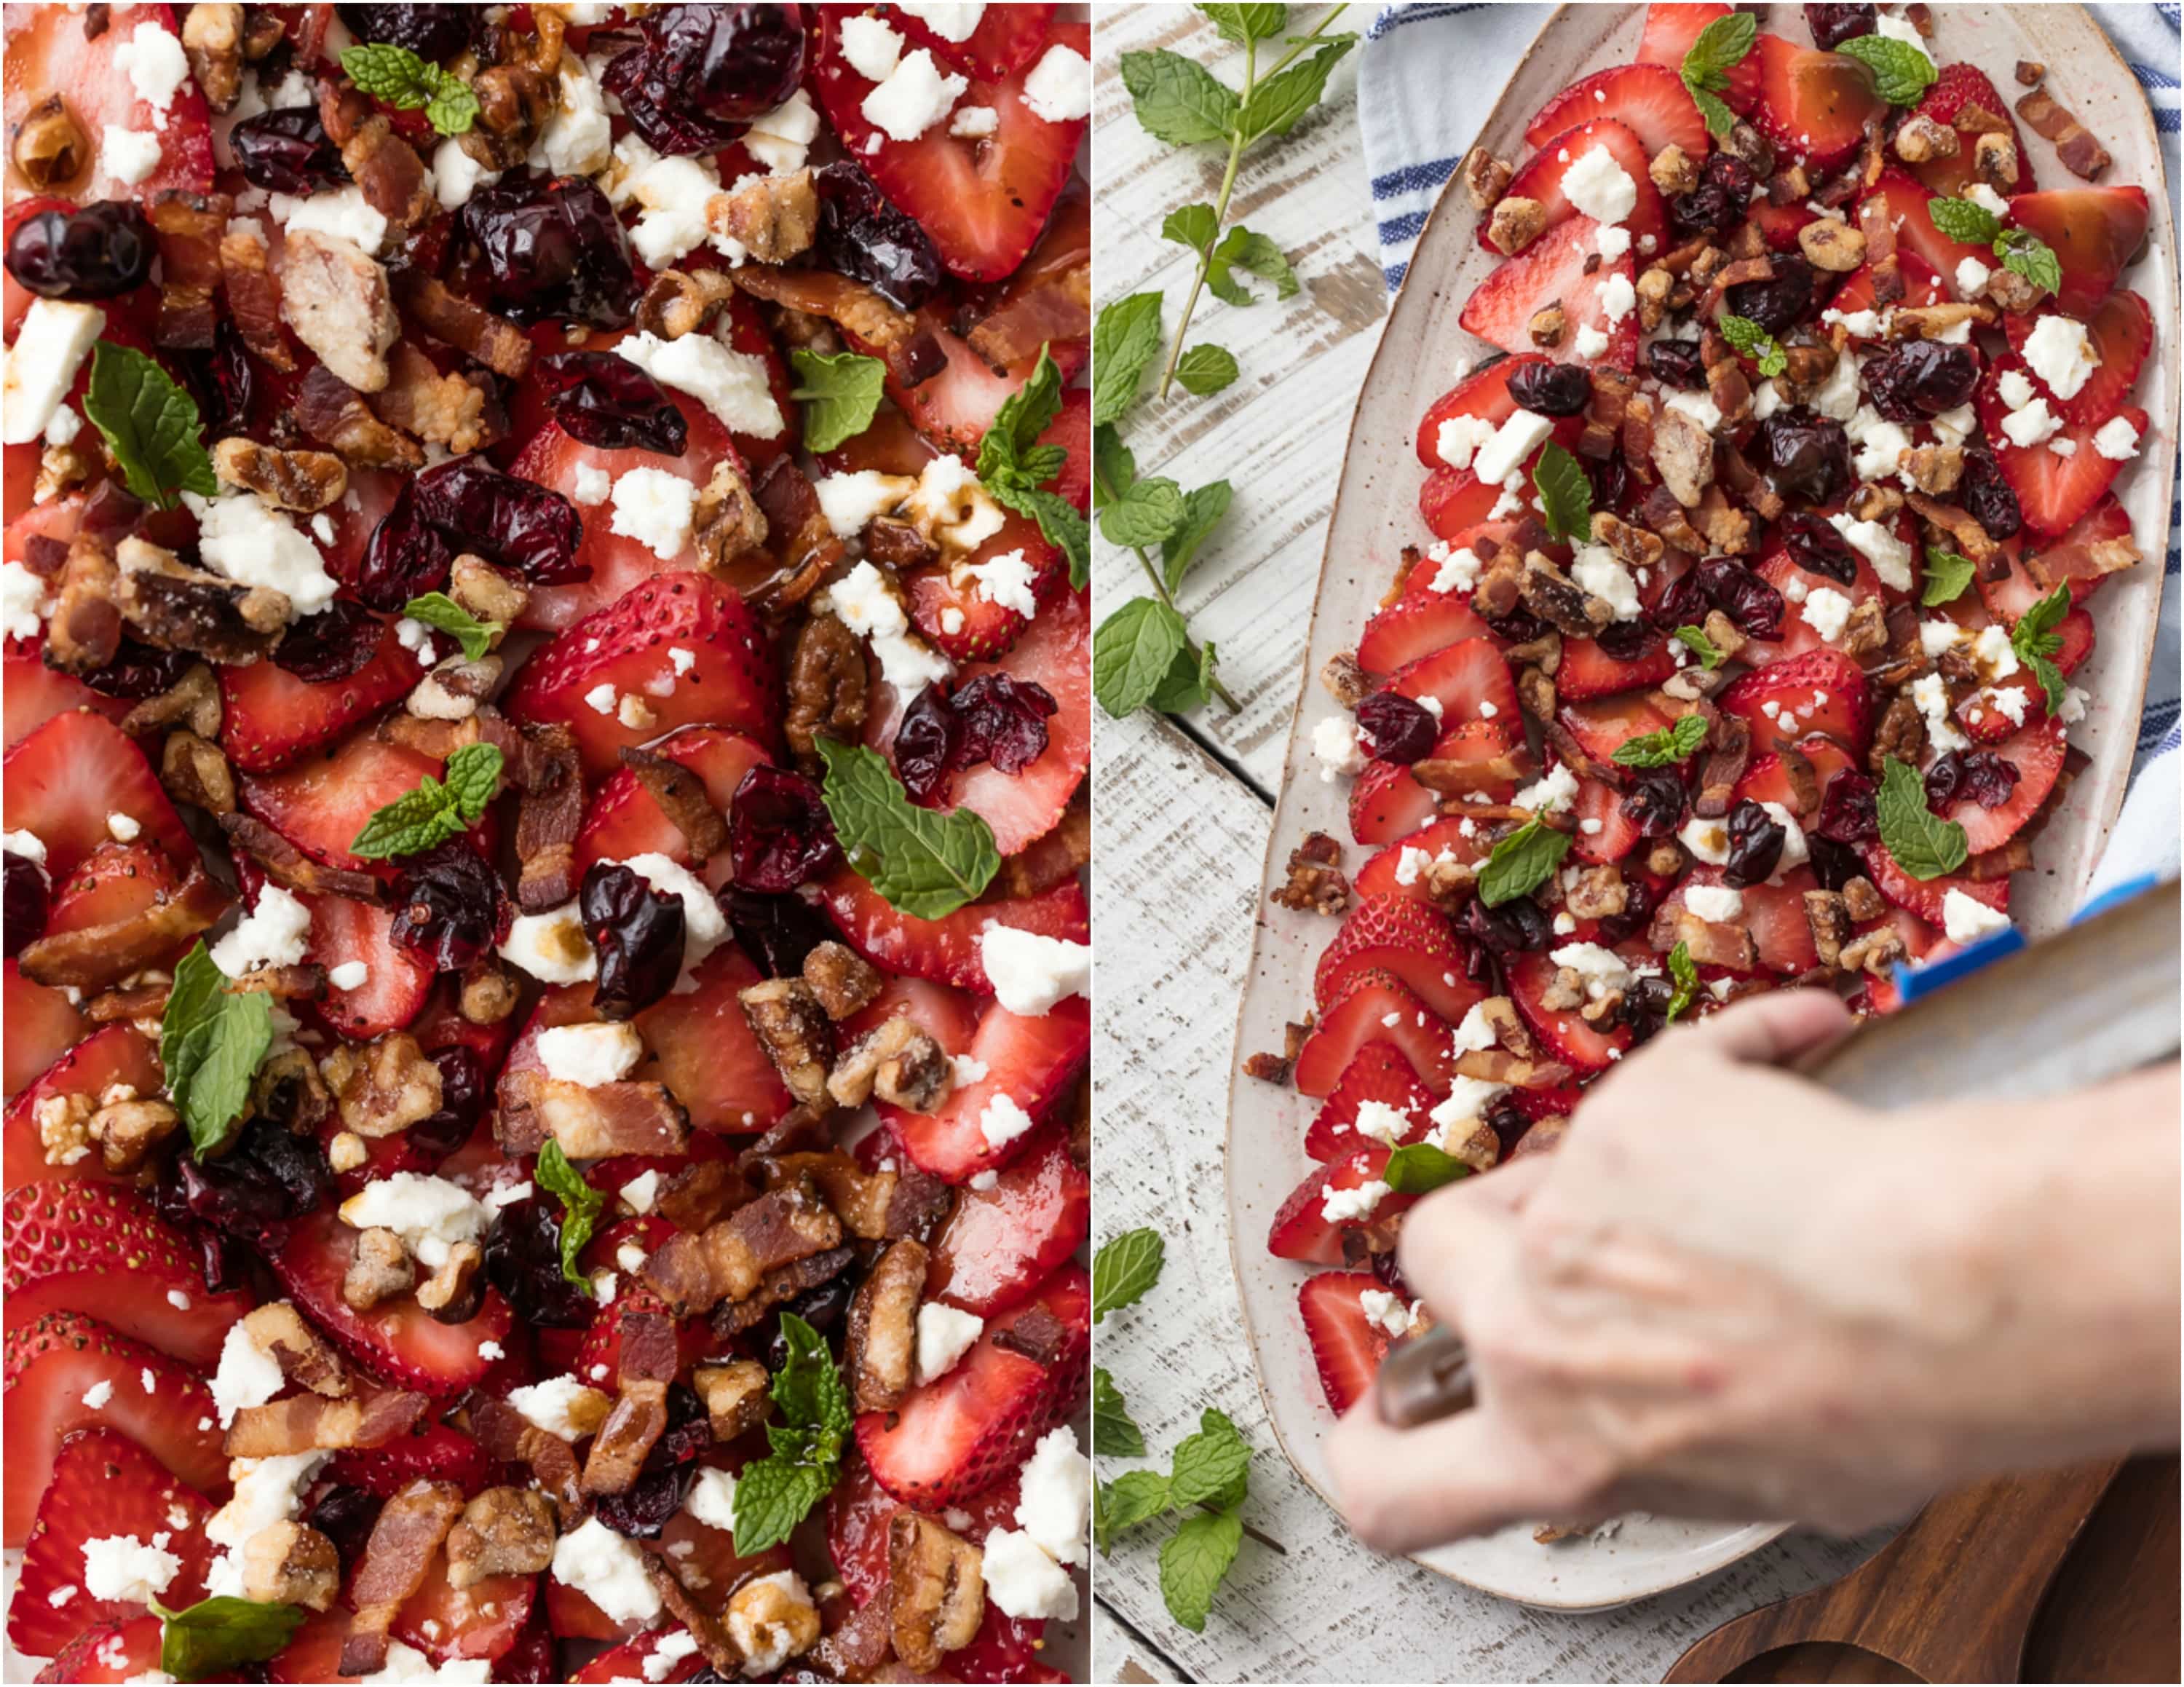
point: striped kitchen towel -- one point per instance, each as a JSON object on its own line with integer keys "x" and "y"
{"x": 1417, "y": 126}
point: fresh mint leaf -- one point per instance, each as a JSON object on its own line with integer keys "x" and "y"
{"x": 1754, "y": 342}
{"x": 1009, "y": 455}
{"x": 1176, "y": 100}
{"x": 776, "y": 1493}
{"x": 212, "y": 1041}
{"x": 398, "y": 77}
{"x": 1278, "y": 105}
{"x": 840, "y": 393}
{"x": 1194, "y": 226}
{"x": 1143, "y": 516}
{"x": 1673, "y": 743}
{"x": 2037, "y": 643}
{"x": 1241, "y": 248}
{"x": 2024, "y": 254}
{"x": 1924, "y": 844}
{"x": 1714, "y": 110}
{"x": 211, "y": 1639}
{"x": 1242, "y": 25}
{"x": 1135, "y": 1497}
{"x": 580, "y": 1207}
{"x": 150, "y": 424}
{"x": 438, "y": 608}
{"x": 1521, "y": 863}
{"x": 1124, "y": 1268}
{"x": 1212, "y": 1467}
{"x": 1194, "y": 1562}
{"x": 1189, "y": 684}
{"x": 1203, "y": 507}
{"x": 924, "y": 863}
{"x": 773, "y": 1495}
{"x": 1901, "y": 72}
{"x": 1060, "y": 521}
{"x": 1719, "y": 47}
{"x": 1565, "y": 494}
{"x": 1948, "y": 574}
{"x": 434, "y": 812}
{"x": 1965, "y": 220}
{"x": 1205, "y": 370}
{"x": 1694, "y": 639}
{"x": 1114, "y": 469}
{"x": 1687, "y": 980}
{"x": 1420, "y": 1168}
{"x": 1115, "y": 1434}
{"x": 809, "y": 1390}
{"x": 1132, "y": 652}
{"x": 1126, "y": 336}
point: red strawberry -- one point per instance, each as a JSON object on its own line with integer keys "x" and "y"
{"x": 1550, "y": 269}
{"x": 1381, "y": 875}
{"x": 314, "y": 1653}
{"x": 397, "y": 1340}
{"x": 1483, "y": 394}
{"x": 1000, "y": 1243}
{"x": 1071, "y": 429}
{"x": 1921, "y": 285}
{"x": 396, "y": 983}
{"x": 54, "y": 1363}
{"x": 954, "y": 408}
{"x": 1604, "y": 833}
{"x": 859, "y": 1510}
{"x": 1649, "y": 100}
{"x": 321, "y": 805}
{"x": 1766, "y": 780}
{"x": 623, "y": 819}
{"x": 1007, "y": 39}
{"x": 1386, "y": 803}
{"x": 1600, "y": 728}
{"x": 630, "y": 1662}
{"x": 1773, "y": 915}
{"x": 112, "y": 1651}
{"x": 983, "y": 202}
{"x": 1569, "y": 1039}
{"x": 98, "y": 1246}
{"x": 484, "y": 1620}
{"x": 1670, "y": 33}
{"x": 35, "y": 694}
{"x": 1922, "y": 944}
{"x": 946, "y": 949}
{"x": 1470, "y": 680}
{"x": 1375, "y": 1007}
{"x": 2071, "y": 558}
{"x": 118, "y": 882}
{"x": 66, "y": 778}
{"x": 1408, "y": 939}
{"x": 2094, "y": 232}
{"x": 950, "y": 610}
{"x": 1799, "y": 635}
{"x": 956, "y": 1434}
{"x": 1031, "y": 1062}
{"x": 1301, "y": 1229}
{"x": 51, "y": 53}
{"x": 1454, "y": 501}
{"x": 1540, "y": 176}
{"x": 1927, "y": 897}
{"x": 115, "y": 1054}
{"x": 270, "y": 717}
{"x": 2055, "y": 492}
{"x": 623, "y": 651}
{"x": 1347, "y": 1345}
{"x": 42, "y": 1025}
{"x": 1824, "y": 689}
{"x": 1916, "y": 233}
{"x": 1813, "y": 105}
{"x": 433, "y": 1452}
{"x": 103, "y": 1485}
{"x": 1589, "y": 671}
{"x": 2038, "y": 752}
{"x": 2121, "y": 329}
{"x": 1781, "y": 225}
{"x": 1961, "y": 87}
{"x": 1412, "y": 628}
{"x": 706, "y": 1052}
{"x": 1376, "y": 1073}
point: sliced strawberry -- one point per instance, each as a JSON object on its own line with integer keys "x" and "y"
{"x": 626, "y": 650}
{"x": 1926, "y": 897}
{"x": 2121, "y": 330}
{"x": 949, "y": 610}
{"x": 2094, "y": 232}
{"x": 1031, "y": 1061}
{"x": 625, "y": 820}
{"x": 1526, "y": 535}
{"x": 1907, "y": 201}
{"x": 1071, "y": 429}
{"x": 1386, "y": 803}
{"x": 2053, "y": 491}
{"x": 1569, "y": 1039}
{"x": 270, "y": 717}
{"x": 1921, "y": 285}
{"x": 65, "y": 779}
{"x": 42, "y": 1025}
{"x": 954, "y": 408}
{"x": 54, "y": 1363}
{"x": 1376, "y": 1073}
{"x": 1500, "y": 310}
{"x": 1813, "y": 105}
{"x": 112, "y": 1651}
{"x": 1347, "y": 1345}
{"x": 398, "y": 1341}
{"x": 2038, "y": 752}
{"x": 947, "y": 949}
{"x": 432, "y": 1452}
{"x": 1540, "y": 176}
{"x": 631, "y": 1661}
{"x": 983, "y": 202}
{"x": 103, "y": 1485}
{"x": 483, "y": 1621}
{"x": 99, "y": 1247}
{"x": 1604, "y": 833}
{"x": 1767, "y": 781}
{"x": 345, "y": 932}
{"x": 1411, "y": 629}
{"x": 705, "y": 1051}
{"x": 116, "y": 881}
{"x": 1455, "y": 836}
{"x": 112, "y": 1054}
{"x": 999, "y": 1243}
{"x": 1961, "y": 87}
{"x": 2071, "y": 558}
{"x": 1453, "y": 501}
{"x": 1824, "y": 689}
{"x": 1483, "y": 394}
{"x": 35, "y": 694}
{"x": 321, "y": 805}
{"x": 1408, "y": 939}
{"x": 1301, "y": 1229}
{"x": 1588, "y": 671}
{"x": 1470, "y": 680}
{"x": 49, "y": 52}
{"x": 313, "y": 1653}
{"x": 1376, "y": 1007}
{"x": 1603, "y": 727}
{"x": 1773, "y": 914}
{"x": 1779, "y": 225}
{"x": 1671, "y": 30}
{"x": 859, "y": 1510}
{"x": 1797, "y": 586}
{"x": 1649, "y": 100}
{"x": 952, "y": 1436}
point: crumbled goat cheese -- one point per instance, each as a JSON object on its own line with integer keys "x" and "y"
{"x": 120, "y": 1567}
{"x": 1971, "y": 276}
{"x": 551, "y": 1405}
{"x": 1386, "y": 1309}
{"x": 1597, "y": 570}
{"x": 25, "y": 601}
{"x": 1551, "y": 794}
{"x": 1456, "y": 439}
{"x": 456, "y": 175}
{"x": 1003, "y": 1122}
{"x": 865, "y": 602}
{"x": 1340, "y": 1206}
{"x": 349, "y": 975}
{"x": 590, "y": 1054}
{"x": 712, "y": 1499}
{"x": 129, "y": 154}
{"x": 1889, "y": 556}
{"x": 51, "y": 343}
{"x": 1599, "y": 186}
{"x": 915, "y": 95}
{"x": 1024, "y": 1581}
{"x": 1513, "y": 443}
{"x": 705, "y": 927}
{"x": 974, "y": 122}
{"x": 1930, "y": 695}
{"x": 1334, "y": 743}
{"x": 1707, "y": 841}
{"x": 1053, "y": 1505}
{"x": 1714, "y": 902}
{"x": 2058, "y": 351}
{"x": 157, "y": 68}
{"x": 1059, "y": 89}
{"x": 1007, "y": 580}
{"x": 274, "y": 933}
{"x": 2117, "y": 440}
{"x": 944, "y": 1335}
{"x": 654, "y": 507}
{"x": 251, "y": 542}
{"x": 247, "y": 1376}
{"x": 732, "y": 384}
{"x": 1966, "y": 919}
{"x": 551, "y": 947}
{"x": 607, "y": 1570}
{"x": 1827, "y": 610}
{"x": 431, "y": 1215}
{"x": 1985, "y": 196}
{"x": 870, "y": 46}
{"x": 2031, "y": 425}
{"x": 343, "y": 213}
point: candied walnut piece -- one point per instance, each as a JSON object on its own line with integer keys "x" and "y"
{"x": 1995, "y": 162}
{"x": 937, "y": 1589}
{"x": 127, "y": 1131}
{"x": 793, "y": 1027}
{"x": 456, "y": 410}
{"x": 1345, "y": 680}
{"x": 194, "y": 771}
{"x": 277, "y": 1330}
{"x": 336, "y": 300}
{"x": 1683, "y": 452}
{"x": 826, "y": 687}
{"x": 1900, "y": 736}
{"x": 502, "y": 1532}
{"x": 1633, "y": 545}
{"x": 736, "y": 1397}
{"x": 212, "y": 40}
{"x": 1597, "y": 893}
{"x": 329, "y": 411}
{"x": 726, "y": 522}
{"x": 764, "y": 1608}
{"x": 919, "y": 1063}
{"x": 381, "y": 1269}
{"x": 880, "y": 1346}
{"x": 485, "y": 592}
{"x": 304, "y": 481}
{"x": 1550, "y": 594}
{"x": 1548, "y": 325}
{"x": 287, "y": 1564}
{"x": 1921, "y": 138}
{"x": 50, "y": 148}
{"x": 1830, "y": 920}
{"x": 775, "y": 216}
{"x": 1515, "y": 224}
{"x": 1485, "y": 178}
{"x": 384, "y": 1086}
{"x": 1832, "y": 244}
{"x": 1864, "y": 901}
{"x": 1935, "y": 469}
{"x": 453, "y": 1294}
{"x": 1655, "y": 286}
{"x": 1316, "y": 883}
{"x": 1673, "y": 170}
{"x": 681, "y": 302}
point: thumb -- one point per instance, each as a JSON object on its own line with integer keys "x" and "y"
{"x": 1775, "y": 1028}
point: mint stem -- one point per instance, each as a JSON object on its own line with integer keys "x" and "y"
{"x": 1160, "y": 591}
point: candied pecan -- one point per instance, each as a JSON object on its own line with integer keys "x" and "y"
{"x": 1316, "y": 883}
{"x": 1832, "y": 244}
{"x": 380, "y": 1269}
{"x": 382, "y": 1087}
{"x": 194, "y": 771}
{"x": 1485, "y": 178}
{"x": 1637, "y": 443}
{"x": 1747, "y": 144}
{"x": 505, "y": 1531}
{"x": 1596, "y": 892}
{"x": 826, "y": 686}
{"x": 880, "y": 1348}
{"x": 304, "y": 481}
{"x": 1900, "y": 736}
{"x": 1548, "y": 325}
{"x": 937, "y": 1590}
{"x": 735, "y": 1392}
{"x": 1515, "y": 223}
{"x": 329, "y": 411}
{"x": 1683, "y": 452}
{"x": 459, "y": 411}
{"x": 1655, "y": 284}
{"x": 1873, "y": 953}
{"x": 726, "y": 522}
{"x": 455, "y": 1289}
{"x": 842, "y": 980}
{"x": 190, "y": 226}
{"x": 1555, "y": 598}
{"x": 775, "y": 217}
{"x": 514, "y": 103}
{"x": 126, "y": 1131}
{"x": 1345, "y": 680}
{"x": 681, "y": 302}
{"x": 1864, "y": 901}
{"x": 286, "y": 1562}
{"x": 212, "y": 40}
{"x": 50, "y": 149}
{"x": 335, "y": 298}
{"x": 793, "y": 1027}
{"x": 279, "y": 1332}
{"x": 1995, "y": 160}
{"x": 1673, "y": 170}
{"x": 1920, "y": 138}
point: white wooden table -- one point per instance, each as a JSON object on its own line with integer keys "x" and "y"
{"x": 1182, "y": 815}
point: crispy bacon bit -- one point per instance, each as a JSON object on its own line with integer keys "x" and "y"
{"x": 286, "y": 865}
{"x": 1316, "y": 883}
{"x": 783, "y": 1284}
{"x": 701, "y": 1193}
{"x": 494, "y": 340}
{"x": 803, "y": 539}
{"x": 882, "y": 1340}
{"x": 1729, "y": 748}
{"x": 93, "y": 957}
{"x": 937, "y": 1584}
{"x": 550, "y": 772}
{"x": 850, "y": 305}
{"x": 736, "y": 1397}
{"x": 304, "y": 1422}
{"x": 189, "y": 226}
{"x": 1961, "y": 526}
{"x": 590, "y": 1121}
{"x": 682, "y": 798}
{"x": 1710, "y": 943}
{"x": 692, "y": 1273}
{"x": 1049, "y": 310}
{"x": 253, "y": 294}
{"x": 724, "y": 1657}
{"x": 328, "y": 410}
{"x": 395, "y": 182}
{"x": 1036, "y": 1334}
{"x": 304, "y": 481}
{"x": 278, "y": 1330}
{"x": 411, "y": 1528}
{"x": 504, "y": 1532}
{"x": 639, "y": 1416}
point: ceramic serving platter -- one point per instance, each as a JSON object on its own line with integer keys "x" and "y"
{"x": 1422, "y": 352}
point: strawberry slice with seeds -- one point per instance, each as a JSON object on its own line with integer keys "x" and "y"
{"x": 1577, "y": 1044}
{"x": 1915, "y": 231}
{"x": 49, "y": 52}
{"x": 624, "y": 656}
{"x": 1812, "y": 105}
{"x": 35, "y": 694}
{"x": 54, "y": 1363}
{"x": 1408, "y": 939}
{"x": 1483, "y": 394}
{"x": 1604, "y": 833}
{"x": 1959, "y": 87}
{"x": 1412, "y": 628}
{"x": 483, "y": 1621}
{"x": 1779, "y": 225}
{"x": 1773, "y": 915}
{"x": 1540, "y": 176}
{"x": 432, "y": 1452}
{"x": 1552, "y": 270}
{"x": 118, "y": 882}
{"x": 1823, "y": 688}
{"x": 344, "y": 931}
{"x": 76, "y": 1246}
{"x": 66, "y": 779}
{"x": 270, "y": 717}
{"x": 321, "y": 805}
{"x": 113, "y": 1651}
{"x": 625, "y": 820}
{"x": 2120, "y": 330}
{"x": 2055, "y": 493}
{"x": 1588, "y": 671}
{"x": 2094, "y": 232}
{"x": 1649, "y": 100}
{"x": 1301, "y": 1229}
{"x": 1387, "y": 804}
{"x": 1007, "y": 39}
{"x": 704, "y": 1049}
{"x": 103, "y": 1485}
{"x": 1767, "y": 780}
{"x": 1000, "y": 1243}
{"x": 1921, "y": 286}
{"x": 631, "y": 1660}
{"x": 954, "y": 615}
{"x": 859, "y": 1510}
{"x": 1347, "y": 1345}
{"x": 1470, "y": 680}
{"x": 2037, "y": 751}
{"x": 945, "y": 950}
{"x": 112, "y": 1054}
{"x": 1926, "y": 897}
{"x": 1375, "y": 1007}
{"x": 1376, "y": 1073}
{"x": 1030, "y": 1065}
{"x": 1672, "y": 31}
{"x": 1603, "y": 727}
{"x": 2073, "y": 557}
{"x": 1384, "y": 874}
{"x": 953, "y": 1435}
{"x": 1453, "y": 501}
{"x": 42, "y": 1025}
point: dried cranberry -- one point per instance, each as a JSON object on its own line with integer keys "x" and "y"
{"x": 776, "y": 931}
{"x": 641, "y": 1510}
{"x": 1987, "y": 497}
{"x": 405, "y": 557}
{"x": 1653, "y": 800}
{"x": 608, "y": 401}
{"x": 1519, "y": 627}
{"x": 1744, "y": 597}
{"x": 549, "y": 251}
{"x": 1624, "y": 641}
{"x": 434, "y": 32}
{"x": 1756, "y": 838}
{"x": 1777, "y": 305}
{"x": 255, "y": 1190}
{"x": 1717, "y": 205}
{"x": 1611, "y": 480}
{"x": 462, "y": 1098}
{"x": 1676, "y": 363}
{"x": 1401, "y": 729}
{"x": 925, "y": 744}
{"x": 139, "y": 670}
{"x": 92, "y": 251}
{"x": 1915, "y": 379}
{"x": 222, "y": 379}
{"x": 1552, "y": 389}
{"x": 1639, "y": 899}
{"x": 24, "y": 898}
{"x": 1645, "y": 1006}
{"x": 523, "y": 1261}
{"x": 1981, "y": 775}
{"x": 1684, "y": 603}
{"x": 1004, "y": 721}
{"x": 1833, "y": 26}
{"x": 638, "y": 932}
{"x": 1833, "y": 865}
{"x": 287, "y": 151}
{"x": 337, "y": 642}
{"x": 861, "y": 234}
{"x": 824, "y": 1306}
{"x": 1514, "y": 927}
{"x": 1508, "y": 1121}
{"x": 1806, "y": 456}
{"x": 779, "y": 832}
{"x": 705, "y": 71}
{"x": 345, "y": 1516}
{"x": 450, "y": 905}
{"x": 1386, "y": 1267}
{"x": 1813, "y": 542}
{"x": 1848, "y": 811}
{"x": 516, "y": 524}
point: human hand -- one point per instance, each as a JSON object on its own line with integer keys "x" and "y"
{"x": 1731, "y": 1294}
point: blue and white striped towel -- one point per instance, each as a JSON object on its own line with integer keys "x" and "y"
{"x": 1416, "y": 133}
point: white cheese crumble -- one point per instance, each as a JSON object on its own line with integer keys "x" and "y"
{"x": 731, "y": 384}
{"x": 252, "y": 544}
{"x": 1059, "y": 89}
{"x": 915, "y": 95}
{"x": 1599, "y": 186}
{"x": 1030, "y": 972}
{"x": 248, "y": 1376}
{"x": 944, "y": 1335}
{"x": 1513, "y": 443}
{"x": 51, "y": 343}
{"x": 551, "y": 947}
{"x": 607, "y": 1570}
{"x": 1342, "y": 1206}
{"x": 1889, "y": 556}
{"x": 431, "y": 1215}
{"x": 1024, "y": 1581}
{"x": 2059, "y": 353}
{"x": 1966, "y": 919}
{"x": 1053, "y": 1505}
{"x": 865, "y": 603}
{"x": 1714, "y": 902}
{"x": 600, "y": 1052}
{"x": 1334, "y": 744}
{"x": 2117, "y": 439}
{"x": 1827, "y": 611}
{"x": 654, "y": 507}
{"x": 274, "y": 933}
{"x": 1002, "y": 1121}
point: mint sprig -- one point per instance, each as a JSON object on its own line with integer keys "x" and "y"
{"x": 1565, "y": 492}
{"x": 212, "y": 1041}
{"x": 840, "y": 393}
{"x": 1719, "y": 49}
{"x": 1694, "y": 639}
{"x": 1965, "y": 220}
{"x": 1419, "y": 1168}
{"x": 923, "y": 862}
{"x": 1015, "y": 468}
{"x": 1522, "y": 862}
{"x": 2037, "y": 643}
{"x": 1901, "y": 72}
{"x": 1210, "y": 1471}
{"x": 581, "y": 1205}
{"x": 1948, "y": 574}
{"x": 438, "y": 609}
{"x": 208, "y": 1642}
{"x": 1687, "y": 980}
{"x": 1754, "y": 342}
{"x": 1115, "y": 1433}
{"x": 396, "y": 76}
{"x": 777, "y": 1492}
{"x": 150, "y": 424}
{"x": 1206, "y": 369}
{"x": 1671, "y": 744}
{"x": 2021, "y": 252}
{"x": 1125, "y": 1267}
{"x": 435, "y": 811}
{"x": 1923, "y": 844}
